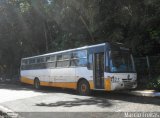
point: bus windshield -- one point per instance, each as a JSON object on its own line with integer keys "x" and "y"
{"x": 121, "y": 61}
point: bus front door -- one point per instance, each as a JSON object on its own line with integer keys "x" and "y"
{"x": 98, "y": 70}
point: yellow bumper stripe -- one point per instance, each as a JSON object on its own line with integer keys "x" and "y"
{"x": 26, "y": 80}
{"x": 108, "y": 84}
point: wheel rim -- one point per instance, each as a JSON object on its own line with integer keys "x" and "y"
{"x": 83, "y": 88}
{"x": 36, "y": 84}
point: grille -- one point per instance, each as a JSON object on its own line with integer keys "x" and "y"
{"x": 128, "y": 84}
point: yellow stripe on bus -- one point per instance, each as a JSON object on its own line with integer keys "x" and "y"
{"x": 72, "y": 85}
{"x": 26, "y": 80}
{"x": 108, "y": 84}
{"x": 91, "y": 84}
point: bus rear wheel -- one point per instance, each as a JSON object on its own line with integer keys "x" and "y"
{"x": 36, "y": 83}
{"x": 83, "y": 88}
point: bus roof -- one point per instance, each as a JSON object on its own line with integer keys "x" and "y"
{"x": 69, "y": 50}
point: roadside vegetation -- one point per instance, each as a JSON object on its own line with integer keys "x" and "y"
{"x": 32, "y": 27}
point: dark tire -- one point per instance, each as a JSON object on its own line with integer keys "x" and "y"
{"x": 37, "y": 84}
{"x": 83, "y": 88}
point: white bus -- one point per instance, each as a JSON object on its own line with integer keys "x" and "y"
{"x": 103, "y": 66}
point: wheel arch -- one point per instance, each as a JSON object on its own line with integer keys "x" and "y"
{"x": 82, "y": 79}
{"x": 36, "y": 78}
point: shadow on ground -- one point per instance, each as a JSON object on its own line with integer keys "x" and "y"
{"x": 103, "y": 99}
{"x": 101, "y": 102}
{"x": 100, "y": 98}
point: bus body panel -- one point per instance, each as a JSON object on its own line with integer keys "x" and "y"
{"x": 120, "y": 81}
{"x": 68, "y": 77}
{"x": 83, "y": 72}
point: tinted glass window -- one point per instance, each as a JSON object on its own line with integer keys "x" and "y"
{"x": 50, "y": 65}
{"x": 40, "y": 60}
{"x": 74, "y": 55}
{"x": 31, "y": 61}
{"x": 66, "y": 56}
{"x": 48, "y": 59}
{"x": 59, "y": 63}
{"x": 120, "y": 62}
{"x": 79, "y": 54}
{"x": 59, "y": 57}
{"x": 79, "y": 62}
{"x": 74, "y": 62}
{"x": 53, "y": 58}
{"x": 65, "y": 63}
{"x": 90, "y": 61}
{"x": 82, "y": 62}
{"x": 82, "y": 54}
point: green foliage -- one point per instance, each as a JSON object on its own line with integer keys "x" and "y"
{"x": 32, "y": 27}
{"x": 154, "y": 83}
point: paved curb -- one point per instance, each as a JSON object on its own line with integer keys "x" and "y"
{"x": 7, "y": 113}
{"x": 146, "y": 93}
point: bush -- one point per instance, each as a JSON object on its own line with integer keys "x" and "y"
{"x": 154, "y": 83}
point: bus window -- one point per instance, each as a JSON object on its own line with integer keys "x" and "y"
{"x": 31, "y": 61}
{"x": 48, "y": 59}
{"x": 79, "y": 58}
{"x": 59, "y": 57}
{"x": 79, "y": 62}
{"x": 59, "y": 60}
{"x": 52, "y": 58}
{"x": 42, "y": 59}
{"x": 74, "y": 62}
{"x": 82, "y": 54}
{"x": 66, "y": 56}
{"x": 90, "y": 61}
{"x": 120, "y": 61}
{"x": 38, "y": 60}
{"x": 82, "y": 62}
{"x": 66, "y": 60}
{"x": 74, "y": 55}
{"x": 65, "y": 63}
{"x": 79, "y": 54}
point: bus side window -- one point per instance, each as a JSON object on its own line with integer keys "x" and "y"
{"x": 79, "y": 58}
{"x": 66, "y": 60}
{"x": 90, "y": 61}
{"x": 31, "y": 61}
{"x": 82, "y": 54}
{"x": 50, "y": 61}
{"x": 38, "y": 60}
{"x": 107, "y": 68}
{"x": 59, "y": 60}
{"x": 52, "y": 58}
{"x": 82, "y": 62}
{"x": 74, "y": 59}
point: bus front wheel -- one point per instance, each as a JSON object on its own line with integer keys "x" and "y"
{"x": 83, "y": 88}
{"x": 36, "y": 83}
